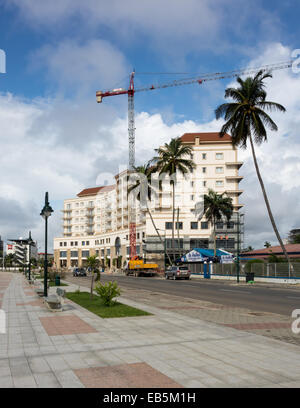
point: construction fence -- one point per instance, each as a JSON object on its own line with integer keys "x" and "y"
{"x": 264, "y": 270}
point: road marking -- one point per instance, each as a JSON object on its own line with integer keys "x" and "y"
{"x": 235, "y": 291}
{"x": 293, "y": 297}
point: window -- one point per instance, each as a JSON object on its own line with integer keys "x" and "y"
{"x": 204, "y": 225}
{"x": 138, "y": 235}
{"x": 192, "y": 197}
{"x": 85, "y": 254}
{"x": 143, "y": 235}
{"x": 219, "y": 170}
{"x": 83, "y": 243}
{"x": 168, "y": 225}
{"x": 178, "y": 225}
{"x": 65, "y": 244}
{"x": 219, "y": 225}
{"x": 138, "y": 249}
{"x": 76, "y": 243}
{"x": 60, "y": 244}
{"x": 74, "y": 254}
{"x": 230, "y": 225}
{"x": 204, "y": 183}
{"x": 63, "y": 254}
{"x": 203, "y": 169}
{"x": 219, "y": 183}
{"x": 87, "y": 243}
{"x": 68, "y": 206}
{"x": 102, "y": 252}
{"x": 108, "y": 252}
{"x": 203, "y": 156}
{"x": 192, "y": 184}
{"x": 219, "y": 156}
{"x": 72, "y": 243}
{"x": 194, "y": 225}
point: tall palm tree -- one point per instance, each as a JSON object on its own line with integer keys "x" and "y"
{"x": 246, "y": 120}
{"x": 143, "y": 183}
{"x": 172, "y": 159}
{"x": 215, "y": 207}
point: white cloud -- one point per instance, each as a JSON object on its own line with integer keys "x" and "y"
{"x": 175, "y": 27}
{"x": 81, "y": 67}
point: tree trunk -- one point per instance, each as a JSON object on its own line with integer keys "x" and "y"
{"x": 215, "y": 243}
{"x": 92, "y": 285}
{"x": 267, "y": 201}
{"x": 178, "y": 238}
{"x": 173, "y": 222}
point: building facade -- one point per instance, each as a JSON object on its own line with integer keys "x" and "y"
{"x": 96, "y": 222}
{"x": 21, "y": 252}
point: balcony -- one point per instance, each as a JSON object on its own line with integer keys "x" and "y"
{"x": 234, "y": 164}
{"x": 238, "y": 206}
{"x": 234, "y": 178}
{"x": 235, "y": 192}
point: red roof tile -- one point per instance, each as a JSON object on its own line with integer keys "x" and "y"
{"x": 292, "y": 249}
{"x": 205, "y": 137}
{"x": 89, "y": 191}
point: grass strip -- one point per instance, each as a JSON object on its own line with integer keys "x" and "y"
{"x": 96, "y": 306}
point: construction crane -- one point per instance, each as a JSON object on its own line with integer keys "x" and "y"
{"x": 179, "y": 82}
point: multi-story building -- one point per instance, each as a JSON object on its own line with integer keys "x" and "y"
{"x": 20, "y": 251}
{"x": 96, "y": 222}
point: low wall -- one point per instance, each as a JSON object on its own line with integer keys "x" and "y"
{"x": 256, "y": 278}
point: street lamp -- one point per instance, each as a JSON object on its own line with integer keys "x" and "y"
{"x": 45, "y": 213}
{"x": 29, "y": 242}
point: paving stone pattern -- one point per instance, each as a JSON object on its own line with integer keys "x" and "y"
{"x": 167, "y": 348}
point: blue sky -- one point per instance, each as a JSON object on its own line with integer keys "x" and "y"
{"x": 59, "y": 53}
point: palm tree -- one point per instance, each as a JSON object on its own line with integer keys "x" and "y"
{"x": 246, "y": 120}
{"x": 93, "y": 263}
{"x": 215, "y": 206}
{"x": 267, "y": 244}
{"x": 142, "y": 183}
{"x": 172, "y": 159}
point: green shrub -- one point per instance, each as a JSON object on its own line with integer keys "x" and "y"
{"x": 108, "y": 292}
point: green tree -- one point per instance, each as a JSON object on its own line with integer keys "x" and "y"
{"x": 174, "y": 158}
{"x": 267, "y": 244}
{"x": 246, "y": 120}
{"x": 143, "y": 184}
{"x": 10, "y": 260}
{"x": 248, "y": 249}
{"x": 215, "y": 207}
{"x": 294, "y": 236}
{"x": 93, "y": 263}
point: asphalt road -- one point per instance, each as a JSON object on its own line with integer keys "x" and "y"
{"x": 280, "y": 300}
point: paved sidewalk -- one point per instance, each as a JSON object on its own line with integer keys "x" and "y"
{"x": 76, "y": 348}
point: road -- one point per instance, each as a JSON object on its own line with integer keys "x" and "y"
{"x": 280, "y": 300}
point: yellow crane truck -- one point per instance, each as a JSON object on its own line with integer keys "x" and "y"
{"x": 137, "y": 267}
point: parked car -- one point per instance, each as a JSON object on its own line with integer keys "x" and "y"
{"x": 178, "y": 272}
{"x": 79, "y": 272}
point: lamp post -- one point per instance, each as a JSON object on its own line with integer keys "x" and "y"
{"x": 30, "y": 242}
{"x": 45, "y": 213}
